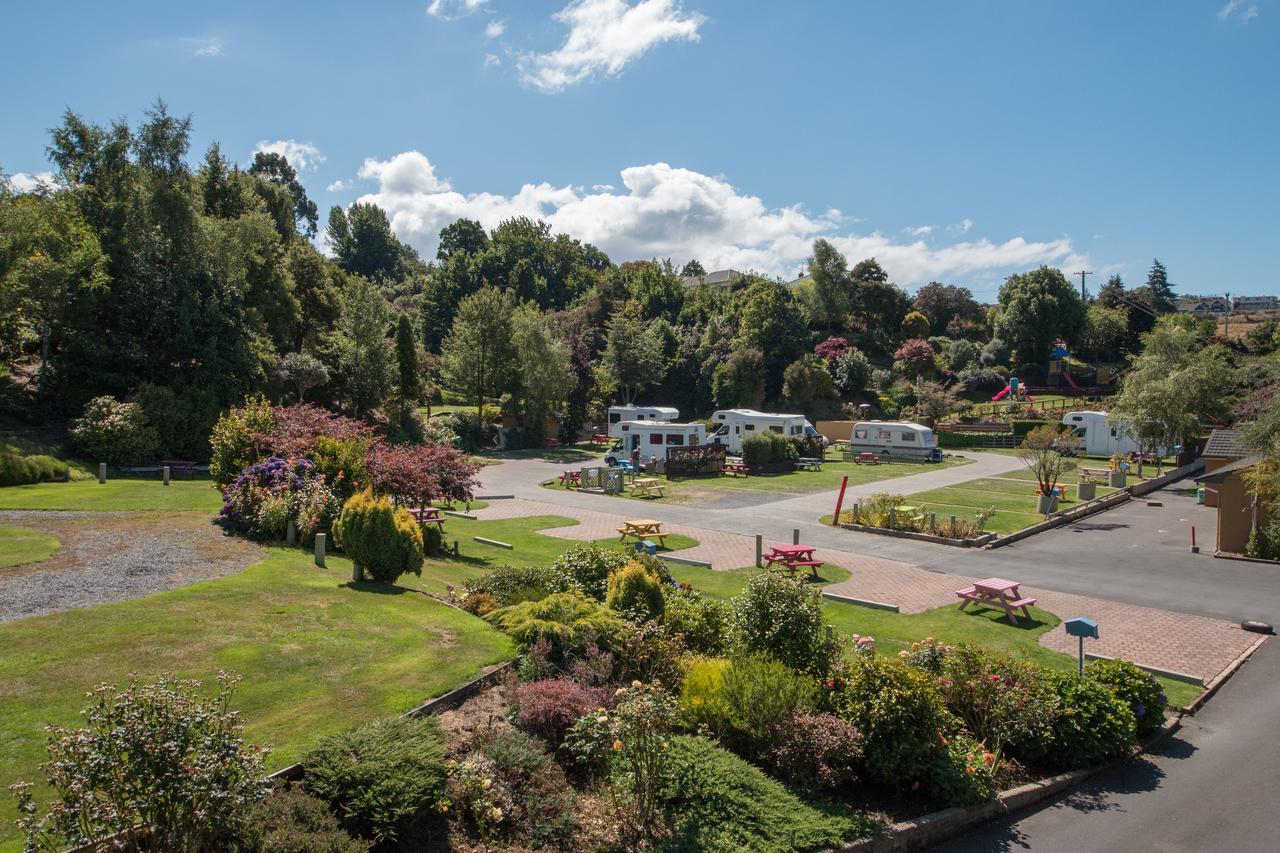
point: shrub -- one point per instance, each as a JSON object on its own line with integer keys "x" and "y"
{"x": 647, "y": 651}
{"x": 901, "y": 717}
{"x": 293, "y": 821}
{"x": 780, "y": 616}
{"x": 268, "y": 494}
{"x": 163, "y": 755}
{"x": 16, "y": 470}
{"x": 817, "y": 751}
{"x": 586, "y": 568}
{"x": 383, "y": 541}
{"x": 700, "y": 623}
{"x": 114, "y": 432}
{"x": 548, "y": 708}
{"x": 473, "y": 434}
{"x": 746, "y": 702}
{"x": 433, "y": 540}
{"x": 702, "y": 693}
{"x": 543, "y": 802}
{"x": 963, "y": 774}
{"x": 479, "y": 797}
{"x": 1095, "y": 724}
{"x": 342, "y": 462}
{"x": 421, "y": 474}
{"x": 929, "y": 655}
{"x": 181, "y": 416}
{"x": 1135, "y": 686}
{"x": 382, "y": 777}
{"x": 852, "y": 372}
{"x": 514, "y": 584}
{"x": 567, "y": 622}
{"x": 239, "y": 438}
{"x": 767, "y": 448}
{"x": 714, "y": 801}
{"x": 635, "y": 593}
{"x": 1003, "y": 700}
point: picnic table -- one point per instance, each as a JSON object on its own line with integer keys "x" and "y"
{"x": 571, "y": 479}
{"x": 999, "y": 593}
{"x": 866, "y": 458}
{"x": 550, "y": 443}
{"x": 600, "y": 438}
{"x": 626, "y": 466}
{"x": 809, "y": 463}
{"x": 650, "y": 486}
{"x": 179, "y": 467}
{"x": 793, "y": 557}
{"x": 737, "y": 468}
{"x": 1095, "y": 472}
{"x": 427, "y": 515}
{"x": 642, "y": 529}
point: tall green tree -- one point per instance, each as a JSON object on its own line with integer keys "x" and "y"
{"x": 364, "y": 244}
{"x": 365, "y": 361}
{"x": 739, "y": 380}
{"x": 274, "y": 169}
{"x": 771, "y": 322}
{"x": 1112, "y": 292}
{"x": 409, "y": 382}
{"x": 632, "y": 360}
{"x": 546, "y": 374}
{"x": 1036, "y": 309}
{"x": 830, "y": 293}
{"x": 463, "y": 236}
{"x": 950, "y": 309}
{"x": 1157, "y": 291}
{"x": 478, "y": 358}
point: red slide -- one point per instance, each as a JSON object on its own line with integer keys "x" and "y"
{"x": 1066, "y": 374}
{"x": 1003, "y": 391}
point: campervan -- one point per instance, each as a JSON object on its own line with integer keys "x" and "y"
{"x": 1100, "y": 437}
{"x": 653, "y": 439}
{"x": 894, "y": 438}
{"x": 649, "y": 414}
{"x": 731, "y": 426}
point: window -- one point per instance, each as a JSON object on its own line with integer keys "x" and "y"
{"x": 750, "y": 427}
{"x": 626, "y": 428}
{"x": 886, "y": 435}
{"x": 795, "y": 430}
{"x": 614, "y": 417}
{"x": 776, "y": 429}
{"x": 908, "y": 436}
{"x": 859, "y": 433}
{"x": 675, "y": 439}
{"x": 655, "y": 438}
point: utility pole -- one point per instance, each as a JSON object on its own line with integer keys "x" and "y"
{"x": 1082, "y": 273}
{"x": 1226, "y": 318}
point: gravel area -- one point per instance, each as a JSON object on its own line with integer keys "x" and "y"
{"x": 115, "y": 556}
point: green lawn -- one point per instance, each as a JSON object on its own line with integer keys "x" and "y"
{"x": 115, "y": 494}
{"x": 1013, "y": 495}
{"x": 317, "y": 656}
{"x": 688, "y": 490}
{"x": 22, "y": 545}
{"x": 897, "y": 631}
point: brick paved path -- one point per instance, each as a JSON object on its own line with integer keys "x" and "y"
{"x": 1193, "y": 645}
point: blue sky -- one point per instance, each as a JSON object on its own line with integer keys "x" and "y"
{"x": 956, "y": 141}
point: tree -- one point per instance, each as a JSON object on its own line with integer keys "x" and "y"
{"x": 962, "y": 354}
{"x": 1043, "y": 452}
{"x": 1036, "y": 309}
{"x": 363, "y": 244}
{"x": 1157, "y": 291}
{"x": 807, "y": 383}
{"x": 478, "y": 357}
{"x": 852, "y": 372}
{"x": 915, "y": 325}
{"x": 275, "y": 169}
{"x": 771, "y": 322}
{"x": 655, "y": 287}
{"x": 692, "y": 269}
{"x": 1112, "y": 293}
{"x": 884, "y": 307}
{"x": 409, "y": 385}
{"x": 632, "y": 359}
{"x": 303, "y": 371}
{"x": 934, "y": 402}
{"x": 1105, "y": 329}
{"x": 464, "y": 236}
{"x": 946, "y": 305}
{"x": 546, "y": 374}
{"x": 916, "y": 355}
{"x": 739, "y": 380}
{"x": 831, "y": 349}
{"x": 831, "y": 292}
{"x": 364, "y": 359}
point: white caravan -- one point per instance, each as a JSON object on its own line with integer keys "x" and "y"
{"x": 649, "y": 414}
{"x": 894, "y": 438}
{"x": 1100, "y": 437}
{"x": 653, "y": 439}
{"x": 733, "y": 425}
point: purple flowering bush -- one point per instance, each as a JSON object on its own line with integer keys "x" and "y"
{"x": 266, "y": 495}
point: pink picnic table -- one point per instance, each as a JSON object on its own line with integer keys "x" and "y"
{"x": 999, "y": 593}
{"x": 793, "y": 557}
{"x": 428, "y": 515}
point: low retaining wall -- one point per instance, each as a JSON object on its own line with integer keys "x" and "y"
{"x": 976, "y": 542}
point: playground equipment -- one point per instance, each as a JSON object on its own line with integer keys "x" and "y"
{"x": 1016, "y": 392}
{"x": 1059, "y": 368}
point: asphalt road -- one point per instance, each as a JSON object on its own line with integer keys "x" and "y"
{"x": 1211, "y": 786}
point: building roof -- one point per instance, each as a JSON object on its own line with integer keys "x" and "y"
{"x": 719, "y": 278}
{"x": 1227, "y": 470}
{"x": 1224, "y": 444}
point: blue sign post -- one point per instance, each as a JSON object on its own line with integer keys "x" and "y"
{"x": 1081, "y": 627}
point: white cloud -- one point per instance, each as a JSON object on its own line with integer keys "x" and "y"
{"x": 1238, "y": 9}
{"x": 602, "y": 187}
{"x": 21, "y": 182}
{"x": 491, "y": 59}
{"x": 451, "y": 10}
{"x": 337, "y": 186}
{"x": 494, "y": 29}
{"x": 663, "y": 211}
{"x": 604, "y": 37}
{"x": 203, "y": 47}
{"x": 920, "y": 230}
{"x": 301, "y": 155}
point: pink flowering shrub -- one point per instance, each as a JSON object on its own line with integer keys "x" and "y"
{"x": 1006, "y": 702}
{"x": 548, "y": 708}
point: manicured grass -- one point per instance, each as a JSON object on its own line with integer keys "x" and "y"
{"x": 1013, "y": 496}
{"x": 691, "y": 489}
{"x": 22, "y": 545}
{"x": 531, "y": 549}
{"x": 115, "y": 494}
{"x": 317, "y": 655}
{"x": 568, "y": 455}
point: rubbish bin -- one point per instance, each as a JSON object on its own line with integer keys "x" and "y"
{"x": 1200, "y": 495}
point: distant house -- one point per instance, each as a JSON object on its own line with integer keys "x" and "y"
{"x": 1205, "y": 305}
{"x": 1257, "y": 303}
{"x": 719, "y": 278}
{"x": 1222, "y": 449}
{"x": 1238, "y": 512}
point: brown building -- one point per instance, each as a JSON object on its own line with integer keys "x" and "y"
{"x": 1237, "y": 513}
{"x": 1222, "y": 449}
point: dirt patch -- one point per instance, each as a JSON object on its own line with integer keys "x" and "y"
{"x": 110, "y": 556}
{"x": 486, "y": 709}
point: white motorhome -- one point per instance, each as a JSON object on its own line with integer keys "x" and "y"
{"x": 650, "y": 414}
{"x": 894, "y": 438}
{"x": 653, "y": 439}
{"x": 1100, "y": 437}
{"x": 731, "y": 426}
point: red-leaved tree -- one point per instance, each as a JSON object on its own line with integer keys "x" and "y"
{"x": 297, "y": 427}
{"x": 916, "y": 353}
{"x": 419, "y": 474}
{"x": 832, "y": 348}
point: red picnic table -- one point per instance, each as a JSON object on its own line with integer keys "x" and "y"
{"x": 571, "y": 479}
{"x": 793, "y": 557}
{"x": 999, "y": 593}
{"x": 600, "y": 438}
{"x": 426, "y": 515}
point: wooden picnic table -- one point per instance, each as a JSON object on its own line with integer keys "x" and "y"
{"x": 570, "y": 479}
{"x": 1095, "y": 472}
{"x": 737, "y": 468}
{"x": 600, "y": 438}
{"x": 809, "y": 463}
{"x": 641, "y": 529}
{"x": 999, "y": 593}
{"x": 793, "y": 557}
{"x": 427, "y": 515}
{"x": 647, "y": 486}
{"x": 179, "y": 467}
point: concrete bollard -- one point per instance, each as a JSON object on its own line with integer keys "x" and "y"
{"x": 759, "y": 551}
{"x": 893, "y": 518}
{"x": 953, "y": 522}
{"x": 857, "y": 512}
{"x": 320, "y": 537}
{"x": 164, "y": 473}
{"x": 102, "y": 473}
{"x": 933, "y": 521}
{"x": 291, "y": 533}
{"x": 795, "y": 536}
